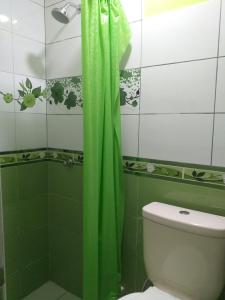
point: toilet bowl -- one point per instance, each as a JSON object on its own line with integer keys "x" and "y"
{"x": 184, "y": 254}
{"x": 152, "y": 293}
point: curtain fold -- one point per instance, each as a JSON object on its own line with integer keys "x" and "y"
{"x": 105, "y": 37}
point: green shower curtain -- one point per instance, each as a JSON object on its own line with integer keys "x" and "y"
{"x": 105, "y": 37}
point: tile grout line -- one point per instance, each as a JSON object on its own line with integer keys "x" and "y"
{"x": 216, "y": 84}
{"x": 14, "y": 79}
{"x": 138, "y": 150}
{"x": 45, "y": 25}
{"x": 11, "y": 31}
{"x": 139, "y": 108}
{"x": 181, "y": 62}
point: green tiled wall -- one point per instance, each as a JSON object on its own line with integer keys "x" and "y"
{"x": 65, "y": 226}
{"x": 42, "y": 210}
{"x": 24, "y": 196}
{"x": 42, "y": 205}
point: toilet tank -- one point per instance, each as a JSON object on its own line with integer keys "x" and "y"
{"x": 184, "y": 251}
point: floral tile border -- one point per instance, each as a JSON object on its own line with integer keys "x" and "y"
{"x": 25, "y": 156}
{"x": 69, "y": 158}
{"x": 130, "y": 85}
{"x": 143, "y": 167}
{"x": 147, "y": 168}
{"x": 177, "y": 172}
{"x": 66, "y": 93}
{"x": 208, "y": 176}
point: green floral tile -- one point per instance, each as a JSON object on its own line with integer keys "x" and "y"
{"x": 208, "y": 176}
{"x": 30, "y": 156}
{"x": 7, "y": 159}
{"x": 68, "y": 158}
{"x": 153, "y": 169}
{"x": 66, "y": 93}
{"x": 130, "y": 83}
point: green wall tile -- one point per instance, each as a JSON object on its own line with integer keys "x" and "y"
{"x": 205, "y": 199}
{"x": 66, "y": 259}
{"x": 32, "y": 180}
{"x": 34, "y": 275}
{"x": 140, "y": 275}
{"x": 131, "y": 190}
{"x": 65, "y": 181}
{"x": 35, "y": 245}
{"x": 65, "y": 226}
{"x": 34, "y": 212}
{"x": 25, "y": 214}
{"x": 129, "y": 254}
{"x": 129, "y": 245}
{"x": 14, "y": 291}
{"x": 65, "y": 212}
{"x": 10, "y": 186}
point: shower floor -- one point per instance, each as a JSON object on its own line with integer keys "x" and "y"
{"x": 51, "y": 291}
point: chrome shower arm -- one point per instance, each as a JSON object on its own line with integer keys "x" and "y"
{"x": 77, "y": 6}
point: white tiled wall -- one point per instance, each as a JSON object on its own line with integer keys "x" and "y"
{"x": 181, "y": 35}
{"x": 66, "y": 39}
{"x": 177, "y": 137}
{"x": 182, "y": 82}
{"x": 182, "y": 106}
{"x": 63, "y": 59}
{"x": 219, "y": 144}
{"x": 65, "y": 132}
{"x": 22, "y": 54}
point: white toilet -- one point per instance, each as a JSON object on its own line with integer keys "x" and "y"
{"x": 184, "y": 253}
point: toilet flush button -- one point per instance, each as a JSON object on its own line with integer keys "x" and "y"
{"x": 184, "y": 212}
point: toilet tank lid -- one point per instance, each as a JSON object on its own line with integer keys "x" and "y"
{"x": 185, "y": 219}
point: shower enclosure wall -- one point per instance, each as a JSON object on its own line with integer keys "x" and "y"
{"x": 173, "y": 120}
{"x": 41, "y": 197}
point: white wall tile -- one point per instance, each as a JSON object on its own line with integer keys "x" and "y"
{"x": 30, "y": 131}
{"x": 179, "y": 88}
{"x": 6, "y": 86}
{"x": 7, "y": 131}
{"x": 219, "y": 141}
{"x": 130, "y": 125}
{"x": 51, "y": 2}
{"x": 220, "y": 99}
{"x": 64, "y": 58}
{"x": 5, "y": 14}
{"x": 60, "y": 108}
{"x": 183, "y": 34}
{"x": 132, "y": 9}
{"x": 28, "y": 19}
{"x": 222, "y": 31}
{"x": 56, "y": 31}
{"x": 65, "y": 132}
{"x": 29, "y": 57}
{"x": 40, "y": 2}
{"x": 181, "y": 138}
{"x": 132, "y": 57}
{"x": 5, "y": 51}
{"x": 40, "y": 107}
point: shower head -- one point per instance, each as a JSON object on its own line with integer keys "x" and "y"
{"x": 66, "y": 13}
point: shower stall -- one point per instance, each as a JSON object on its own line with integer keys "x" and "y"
{"x": 173, "y": 145}
{"x": 41, "y": 175}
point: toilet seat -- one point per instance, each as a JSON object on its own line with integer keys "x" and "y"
{"x": 152, "y": 293}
